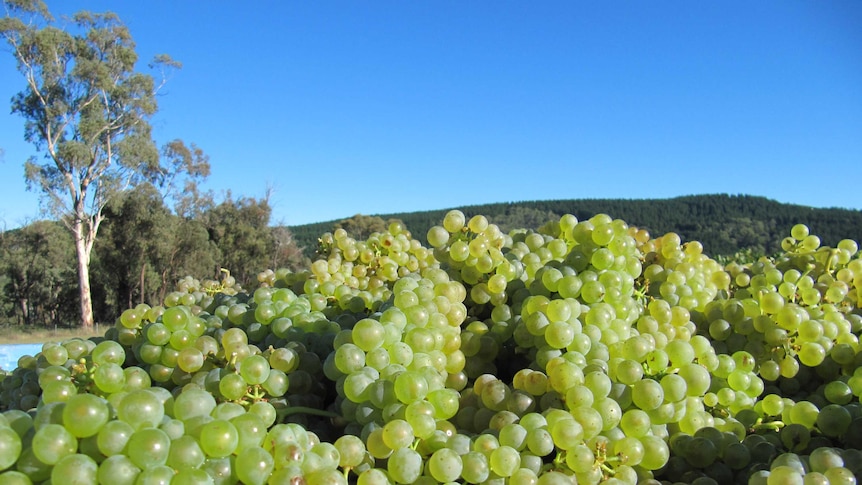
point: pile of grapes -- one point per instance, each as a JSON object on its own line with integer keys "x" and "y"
{"x": 584, "y": 352}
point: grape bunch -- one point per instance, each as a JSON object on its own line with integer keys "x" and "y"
{"x": 586, "y": 351}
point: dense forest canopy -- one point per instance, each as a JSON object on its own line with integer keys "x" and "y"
{"x": 725, "y": 224}
{"x": 146, "y": 248}
{"x": 143, "y": 250}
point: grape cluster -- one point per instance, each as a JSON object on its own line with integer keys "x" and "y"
{"x": 582, "y": 352}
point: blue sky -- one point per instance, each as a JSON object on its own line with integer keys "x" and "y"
{"x": 381, "y": 106}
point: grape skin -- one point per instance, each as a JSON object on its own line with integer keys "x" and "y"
{"x": 588, "y": 344}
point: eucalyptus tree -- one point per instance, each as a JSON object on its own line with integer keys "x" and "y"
{"x": 87, "y": 111}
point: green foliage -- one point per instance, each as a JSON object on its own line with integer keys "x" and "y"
{"x": 86, "y": 109}
{"x": 37, "y": 265}
{"x": 241, "y": 227}
{"x": 724, "y": 223}
{"x": 142, "y": 251}
{"x": 360, "y": 226}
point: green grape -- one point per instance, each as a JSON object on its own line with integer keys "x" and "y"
{"x": 119, "y": 470}
{"x": 53, "y": 373}
{"x": 276, "y": 383}
{"x": 784, "y": 475}
{"x": 284, "y": 359}
{"x": 590, "y": 420}
{"x": 636, "y": 423}
{"x": 10, "y": 447}
{"x": 562, "y": 376}
{"x": 351, "y": 451}
{"x": 739, "y": 380}
{"x": 679, "y": 352}
{"x": 700, "y": 452}
{"x": 675, "y": 388}
{"x": 445, "y": 465}
{"x": 445, "y": 401}
{"x": 629, "y": 371}
{"x": 190, "y": 359}
{"x": 55, "y": 354}
{"x": 566, "y": 434}
{"x": 185, "y": 452}
{"x": 233, "y": 386}
{"x": 181, "y": 339}
{"x": 174, "y": 428}
{"x": 373, "y": 476}
{"x": 736, "y": 456}
{"x": 265, "y": 411}
{"x": 804, "y": 413}
{"x": 227, "y": 410}
{"x": 109, "y": 378}
{"x": 75, "y": 468}
{"x": 250, "y": 428}
{"x": 823, "y": 458}
{"x": 539, "y": 441}
{"x": 769, "y": 370}
{"x": 85, "y": 414}
{"x": 148, "y": 447}
{"x": 155, "y": 475}
{"x": 349, "y": 358}
{"x": 141, "y": 409}
{"x": 192, "y": 476}
{"x": 504, "y": 460}
{"x": 108, "y": 351}
{"x": 254, "y": 465}
{"x": 647, "y": 394}
{"x": 113, "y": 437}
{"x": 193, "y": 402}
{"x": 697, "y": 379}
{"x": 630, "y": 450}
{"x": 368, "y": 334}
{"x": 410, "y": 386}
{"x": 811, "y": 354}
{"x": 357, "y": 386}
{"x": 833, "y": 420}
{"x": 398, "y": 434}
{"x": 599, "y": 383}
{"x": 52, "y": 442}
{"x": 656, "y": 452}
{"x": 404, "y": 465}
{"x": 795, "y": 437}
{"x": 610, "y": 411}
{"x": 219, "y": 438}
{"x": 840, "y": 476}
{"x": 773, "y": 405}
{"x": 523, "y": 476}
{"x": 58, "y": 391}
{"x": 254, "y": 369}
{"x": 580, "y": 458}
{"x": 559, "y": 334}
{"x": 475, "y": 468}
{"x": 514, "y": 435}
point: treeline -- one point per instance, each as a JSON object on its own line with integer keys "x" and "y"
{"x": 724, "y": 224}
{"x": 143, "y": 249}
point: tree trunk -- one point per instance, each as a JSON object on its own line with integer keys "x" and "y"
{"x": 25, "y": 306}
{"x": 82, "y": 250}
{"x": 143, "y": 281}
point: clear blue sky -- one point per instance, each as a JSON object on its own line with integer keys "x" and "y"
{"x": 378, "y": 107}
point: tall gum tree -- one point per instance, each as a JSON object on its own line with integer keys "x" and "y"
{"x": 87, "y": 112}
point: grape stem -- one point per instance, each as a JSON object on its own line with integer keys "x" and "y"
{"x": 768, "y": 426}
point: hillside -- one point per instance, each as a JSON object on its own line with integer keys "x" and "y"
{"x": 724, "y": 223}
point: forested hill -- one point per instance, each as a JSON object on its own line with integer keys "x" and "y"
{"x": 724, "y": 223}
